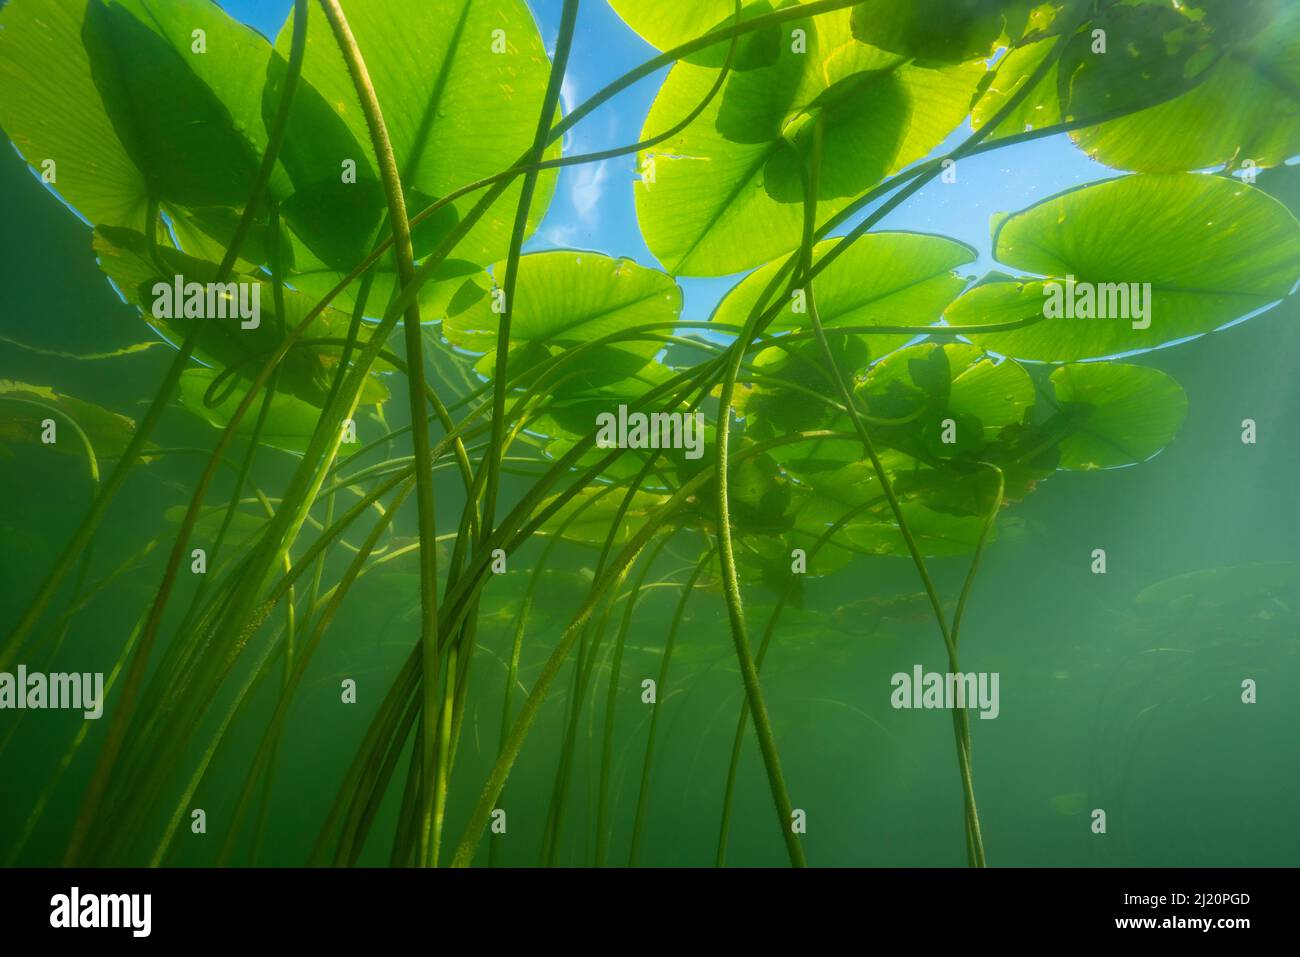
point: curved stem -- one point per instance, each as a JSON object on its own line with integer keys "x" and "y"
{"x": 415, "y": 379}
{"x": 724, "y": 828}
{"x": 731, "y": 583}
{"x": 811, "y": 177}
{"x": 568, "y": 20}
{"x": 473, "y": 833}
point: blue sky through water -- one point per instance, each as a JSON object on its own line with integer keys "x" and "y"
{"x": 593, "y": 206}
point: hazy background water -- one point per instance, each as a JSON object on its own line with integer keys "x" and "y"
{"x": 1104, "y": 704}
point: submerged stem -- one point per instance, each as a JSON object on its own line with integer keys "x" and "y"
{"x": 731, "y": 585}
{"x": 135, "y": 674}
{"x": 660, "y": 683}
{"x": 611, "y": 702}
{"x": 424, "y": 493}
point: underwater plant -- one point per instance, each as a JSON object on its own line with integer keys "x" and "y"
{"x": 273, "y": 212}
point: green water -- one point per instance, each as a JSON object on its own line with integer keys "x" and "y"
{"x": 1106, "y": 702}
{"x": 1112, "y": 536}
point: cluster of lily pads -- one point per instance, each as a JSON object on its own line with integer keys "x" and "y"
{"x": 382, "y": 163}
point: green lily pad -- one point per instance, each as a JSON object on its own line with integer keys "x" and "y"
{"x": 1215, "y": 587}
{"x": 27, "y": 405}
{"x": 568, "y": 298}
{"x": 1211, "y": 249}
{"x": 887, "y": 278}
{"x": 670, "y": 23}
{"x": 102, "y": 91}
{"x": 306, "y": 372}
{"x": 1247, "y": 106}
{"x": 945, "y": 30}
{"x": 1121, "y": 414}
{"x": 725, "y": 194}
{"x": 290, "y": 422}
{"x": 599, "y": 506}
{"x": 442, "y": 135}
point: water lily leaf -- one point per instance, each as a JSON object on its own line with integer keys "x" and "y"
{"x": 131, "y": 350}
{"x": 1211, "y": 248}
{"x": 725, "y": 194}
{"x": 1240, "y": 59}
{"x": 995, "y": 393}
{"x": 335, "y": 209}
{"x": 888, "y": 278}
{"x": 182, "y": 137}
{"x": 51, "y": 110}
{"x": 1027, "y": 453}
{"x": 306, "y": 372}
{"x": 935, "y": 533}
{"x": 238, "y": 76}
{"x": 766, "y": 559}
{"x": 575, "y": 414}
{"x": 289, "y": 423}
{"x": 951, "y": 489}
{"x": 567, "y": 298}
{"x": 770, "y": 556}
{"x": 599, "y": 506}
{"x": 830, "y": 493}
{"x": 883, "y": 279}
{"x": 954, "y": 399}
{"x": 27, "y": 405}
{"x": 573, "y": 409}
{"x": 1041, "y": 106}
{"x": 437, "y": 296}
{"x": 1121, "y": 414}
{"x": 797, "y": 390}
{"x": 626, "y": 466}
{"x": 1247, "y": 107}
{"x": 243, "y": 528}
{"x": 433, "y": 67}
{"x": 933, "y": 494}
{"x": 117, "y": 95}
{"x": 1215, "y": 587}
{"x": 1131, "y": 54}
{"x": 130, "y": 99}
{"x": 206, "y": 232}
{"x": 944, "y": 30}
{"x": 759, "y": 495}
{"x": 670, "y": 23}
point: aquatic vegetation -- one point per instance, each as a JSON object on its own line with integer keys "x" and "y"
{"x": 549, "y": 452}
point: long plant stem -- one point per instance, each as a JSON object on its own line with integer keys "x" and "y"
{"x": 724, "y": 828}
{"x": 975, "y": 844}
{"x": 735, "y": 606}
{"x": 611, "y": 704}
{"x": 469, "y": 841}
{"x": 415, "y": 378}
{"x": 135, "y": 675}
{"x": 661, "y": 683}
{"x": 220, "y": 623}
